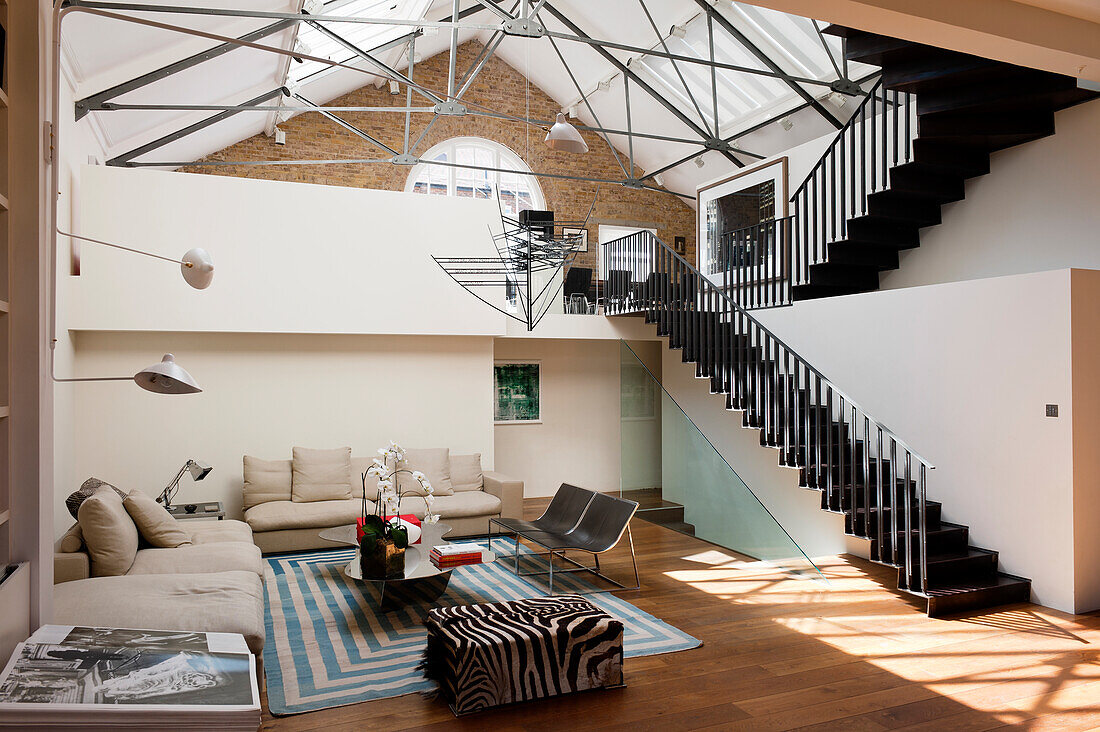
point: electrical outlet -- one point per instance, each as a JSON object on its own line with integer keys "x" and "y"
{"x": 1052, "y": 410}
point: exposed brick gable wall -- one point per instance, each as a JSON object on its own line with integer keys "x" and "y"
{"x": 500, "y": 88}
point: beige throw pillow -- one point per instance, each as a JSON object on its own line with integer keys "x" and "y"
{"x": 466, "y": 472}
{"x": 321, "y": 475}
{"x": 72, "y": 541}
{"x": 434, "y": 463}
{"x": 266, "y": 480}
{"x": 109, "y": 533}
{"x": 158, "y": 527}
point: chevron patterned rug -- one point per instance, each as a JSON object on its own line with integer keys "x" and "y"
{"x": 328, "y": 646}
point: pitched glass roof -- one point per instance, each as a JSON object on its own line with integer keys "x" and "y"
{"x": 789, "y": 41}
{"x": 363, "y": 36}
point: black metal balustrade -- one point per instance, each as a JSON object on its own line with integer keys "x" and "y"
{"x": 755, "y": 263}
{"x": 860, "y": 466}
{"x": 877, "y": 137}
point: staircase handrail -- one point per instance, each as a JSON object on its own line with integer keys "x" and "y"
{"x": 868, "y": 99}
{"x": 809, "y": 367}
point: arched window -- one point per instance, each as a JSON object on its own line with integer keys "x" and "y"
{"x": 517, "y": 192}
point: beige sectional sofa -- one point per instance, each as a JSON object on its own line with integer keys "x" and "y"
{"x": 212, "y": 581}
{"x": 286, "y": 512}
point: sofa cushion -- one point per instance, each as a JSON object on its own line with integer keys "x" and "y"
{"x": 321, "y": 475}
{"x": 208, "y": 532}
{"x": 87, "y": 488}
{"x": 466, "y": 504}
{"x": 225, "y": 556}
{"x": 358, "y": 467}
{"x": 109, "y": 533}
{"x": 223, "y": 602}
{"x": 434, "y": 463}
{"x": 71, "y": 541}
{"x": 158, "y": 527}
{"x": 466, "y": 472}
{"x": 266, "y": 480}
{"x": 276, "y": 515}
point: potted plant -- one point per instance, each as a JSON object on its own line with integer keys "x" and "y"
{"x": 383, "y": 538}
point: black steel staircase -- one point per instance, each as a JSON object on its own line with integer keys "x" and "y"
{"x": 928, "y": 125}
{"x": 860, "y": 467}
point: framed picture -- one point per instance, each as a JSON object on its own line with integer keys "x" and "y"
{"x": 679, "y": 244}
{"x": 516, "y": 387}
{"x": 574, "y": 231}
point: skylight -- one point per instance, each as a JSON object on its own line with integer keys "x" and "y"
{"x": 363, "y": 36}
{"x": 789, "y": 41}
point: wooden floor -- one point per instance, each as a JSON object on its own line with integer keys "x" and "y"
{"x": 781, "y": 653}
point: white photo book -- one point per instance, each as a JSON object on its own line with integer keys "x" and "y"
{"x": 67, "y": 675}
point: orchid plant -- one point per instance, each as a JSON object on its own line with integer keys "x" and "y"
{"x": 385, "y": 471}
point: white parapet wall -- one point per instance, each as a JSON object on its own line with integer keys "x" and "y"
{"x": 963, "y": 372}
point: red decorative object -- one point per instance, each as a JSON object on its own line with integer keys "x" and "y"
{"x": 408, "y": 517}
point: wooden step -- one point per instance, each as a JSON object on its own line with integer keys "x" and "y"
{"x": 1024, "y": 91}
{"x": 932, "y": 74}
{"x": 922, "y": 181}
{"x": 961, "y": 160}
{"x": 866, "y": 520}
{"x": 988, "y": 131}
{"x": 897, "y": 206}
{"x": 975, "y": 594}
{"x": 870, "y": 48}
{"x": 953, "y": 566}
{"x": 945, "y": 539}
{"x": 879, "y": 230}
{"x": 864, "y": 254}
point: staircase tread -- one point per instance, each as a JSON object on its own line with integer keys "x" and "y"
{"x": 971, "y": 551}
{"x": 975, "y": 584}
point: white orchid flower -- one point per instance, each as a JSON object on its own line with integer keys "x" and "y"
{"x": 429, "y": 500}
{"x": 418, "y": 475}
{"x": 376, "y": 470}
{"x": 379, "y": 463}
{"x": 431, "y": 518}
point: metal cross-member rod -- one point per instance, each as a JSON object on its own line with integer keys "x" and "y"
{"x": 627, "y": 72}
{"x": 126, "y": 157}
{"x": 272, "y": 15}
{"x": 388, "y": 70}
{"x": 95, "y": 101}
{"x": 767, "y": 61}
{"x": 346, "y": 125}
{"x": 587, "y": 104}
{"x": 453, "y": 56}
{"x": 117, "y": 107}
{"x": 356, "y": 161}
{"x": 675, "y": 66}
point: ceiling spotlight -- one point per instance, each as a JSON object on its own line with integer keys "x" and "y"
{"x": 572, "y": 112}
{"x": 699, "y": 162}
{"x": 280, "y": 136}
{"x": 786, "y": 123}
{"x": 678, "y": 31}
{"x": 302, "y": 48}
{"x": 564, "y": 136}
{"x": 605, "y": 84}
{"x": 395, "y": 87}
{"x": 839, "y": 99}
{"x": 312, "y": 7}
{"x": 658, "y": 180}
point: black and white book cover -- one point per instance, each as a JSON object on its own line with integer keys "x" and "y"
{"x": 68, "y": 668}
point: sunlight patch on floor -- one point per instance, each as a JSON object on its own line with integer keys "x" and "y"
{"x": 1014, "y": 664}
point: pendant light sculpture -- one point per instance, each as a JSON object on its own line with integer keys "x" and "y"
{"x": 166, "y": 377}
{"x": 525, "y": 278}
{"x": 565, "y": 137}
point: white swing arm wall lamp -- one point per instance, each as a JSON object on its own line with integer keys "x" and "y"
{"x": 196, "y": 266}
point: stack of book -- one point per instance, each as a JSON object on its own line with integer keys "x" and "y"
{"x": 449, "y": 556}
{"x": 114, "y": 678}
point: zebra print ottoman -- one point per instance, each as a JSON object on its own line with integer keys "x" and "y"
{"x": 483, "y": 656}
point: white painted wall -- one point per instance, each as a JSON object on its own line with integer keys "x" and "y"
{"x": 266, "y": 393}
{"x": 962, "y": 372}
{"x": 1035, "y": 210}
{"x": 797, "y": 509}
{"x": 289, "y": 257}
{"x": 578, "y": 438}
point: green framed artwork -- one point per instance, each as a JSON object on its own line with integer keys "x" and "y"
{"x": 516, "y": 388}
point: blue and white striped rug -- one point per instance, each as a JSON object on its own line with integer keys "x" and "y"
{"x": 327, "y": 646}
